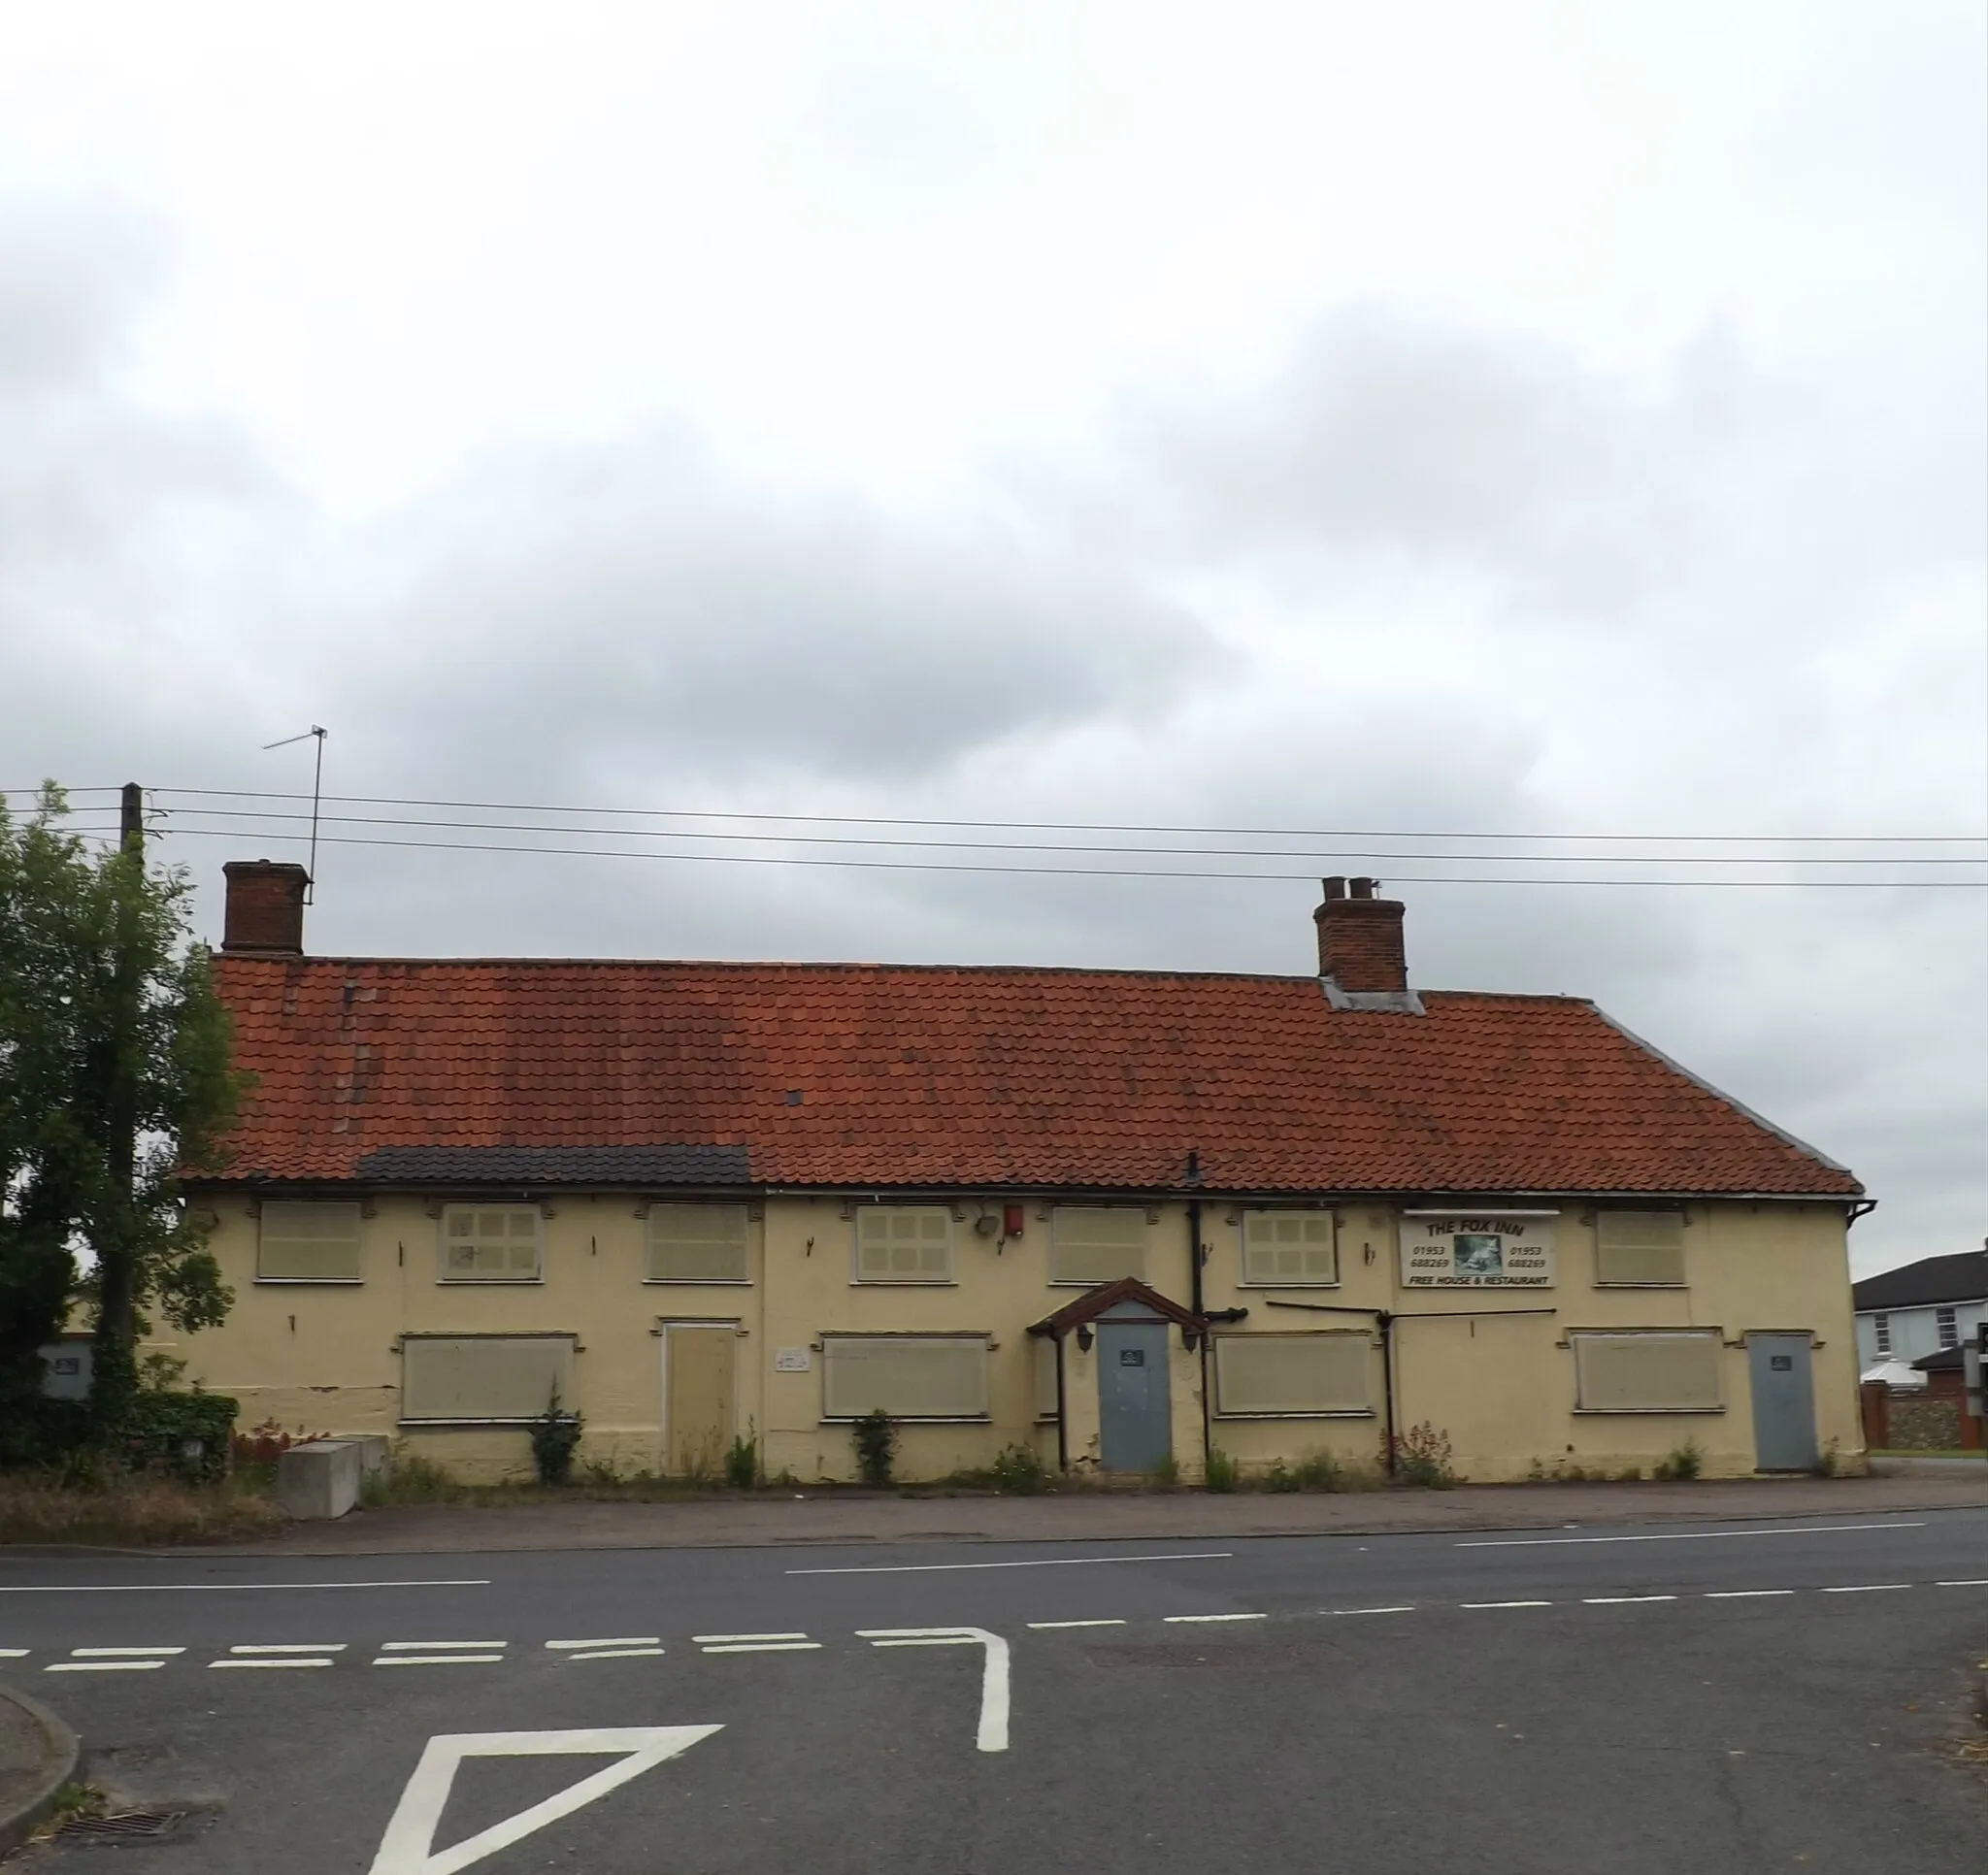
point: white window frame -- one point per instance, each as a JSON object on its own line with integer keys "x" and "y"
{"x": 1606, "y": 1212}
{"x": 358, "y": 1221}
{"x": 967, "y": 1337}
{"x": 1244, "y": 1280}
{"x": 1947, "y": 1325}
{"x": 1057, "y": 1212}
{"x": 1712, "y": 1335}
{"x": 1880, "y": 1331}
{"x": 479, "y": 1278}
{"x": 1362, "y": 1336}
{"x": 901, "y": 1278}
{"x": 567, "y": 1405}
{"x": 658, "y": 1213}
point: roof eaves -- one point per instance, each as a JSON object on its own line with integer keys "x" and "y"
{"x": 1719, "y": 1093}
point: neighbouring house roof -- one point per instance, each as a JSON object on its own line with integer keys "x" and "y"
{"x": 1946, "y": 1361}
{"x": 1962, "y": 1277}
{"x": 856, "y": 1075}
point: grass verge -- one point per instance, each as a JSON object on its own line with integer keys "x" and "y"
{"x": 130, "y": 1511}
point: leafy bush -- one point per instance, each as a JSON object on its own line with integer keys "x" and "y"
{"x": 742, "y": 1463}
{"x": 556, "y": 1438}
{"x": 1223, "y": 1472}
{"x": 1422, "y": 1457}
{"x": 185, "y": 1436}
{"x": 1682, "y": 1462}
{"x": 1020, "y": 1471}
{"x": 875, "y": 1436}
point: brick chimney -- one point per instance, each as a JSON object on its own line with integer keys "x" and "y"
{"x": 265, "y": 909}
{"x": 1360, "y": 950}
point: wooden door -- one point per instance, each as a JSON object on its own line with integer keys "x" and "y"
{"x": 698, "y": 1396}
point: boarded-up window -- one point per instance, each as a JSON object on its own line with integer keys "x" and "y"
{"x": 909, "y": 1376}
{"x": 490, "y": 1244}
{"x": 483, "y": 1376}
{"x": 1091, "y": 1244}
{"x": 1647, "y": 1373}
{"x": 697, "y": 1243}
{"x": 1640, "y": 1247}
{"x": 1045, "y": 1377}
{"x": 308, "y": 1243}
{"x": 903, "y": 1243}
{"x": 1293, "y": 1374}
{"x": 1288, "y": 1249}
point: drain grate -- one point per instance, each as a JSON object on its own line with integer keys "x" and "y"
{"x": 124, "y": 1825}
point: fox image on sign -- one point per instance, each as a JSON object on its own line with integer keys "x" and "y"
{"x": 1452, "y": 1250}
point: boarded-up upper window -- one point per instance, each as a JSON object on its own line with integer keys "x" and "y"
{"x": 1288, "y": 1249}
{"x": 909, "y": 1376}
{"x": 1640, "y": 1247}
{"x": 308, "y": 1243}
{"x": 697, "y": 1243}
{"x": 1293, "y": 1374}
{"x": 903, "y": 1243}
{"x": 490, "y": 1244}
{"x": 1647, "y": 1373}
{"x": 1091, "y": 1244}
{"x": 484, "y": 1376}
{"x": 1045, "y": 1377}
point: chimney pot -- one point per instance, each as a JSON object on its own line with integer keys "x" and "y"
{"x": 265, "y": 909}
{"x": 1334, "y": 887}
{"x": 1360, "y": 942}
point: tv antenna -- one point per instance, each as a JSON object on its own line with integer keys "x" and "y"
{"x": 317, "y": 794}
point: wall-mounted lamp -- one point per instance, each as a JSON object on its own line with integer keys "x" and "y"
{"x": 1084, "y": 1338}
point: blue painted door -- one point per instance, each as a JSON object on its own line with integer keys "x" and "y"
{"x": 1135, "y": 1413}
{"x": 1783, "y": 1402}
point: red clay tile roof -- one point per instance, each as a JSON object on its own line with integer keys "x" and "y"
{"x": 862, "y": 1075}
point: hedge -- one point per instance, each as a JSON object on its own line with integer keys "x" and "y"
{"x": 185, "y": 1435}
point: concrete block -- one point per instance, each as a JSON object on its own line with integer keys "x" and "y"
{"x": 376, "y": 1454}
{"x": 319, "y": 1479}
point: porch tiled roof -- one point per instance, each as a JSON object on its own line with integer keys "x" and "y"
{"x": 861, "y": 1075}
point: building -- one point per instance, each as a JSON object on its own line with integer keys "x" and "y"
{"x": 1119, "y": 1217}
{"x": 1920, "y": 1308}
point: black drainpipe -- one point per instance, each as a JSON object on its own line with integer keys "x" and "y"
{"x": 1192, "y": 1180}
{"x": 1062, "y": 1413}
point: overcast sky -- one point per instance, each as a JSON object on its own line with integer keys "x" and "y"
{"x": 1508, "y": 418}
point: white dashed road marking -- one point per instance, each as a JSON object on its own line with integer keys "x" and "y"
{"x": 439, "y": 1659}
{"x": 756, "y": 1643}
{"x": 1743, "y": 1594}
{"x": 1618, "y": 1601}
{"x": 121, "y": 1652}
{"x": 1398, "y": 1608}
{"x": 275, "y": 1660}
{"x": 102, "y": 1666}
{"x": 1077, "y": 1624}
{"x": 1214, "y": 1617}
{"x": 1975, "y": 1582}
{"x": 1033, "y": 1562}
{"x": 623, "y": 1641}
{"x": 1865, "y": 1588}
{"x": 439, "y": 1647}
{"x": 1504, "y": 1604}
{"x": 293, "y": 1647}
{"x": 219, "y": 1588}
{"x": 1675, "y": 1535}
{"x": 619, "y": 1654}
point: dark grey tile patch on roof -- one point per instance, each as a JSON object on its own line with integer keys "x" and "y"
{"x": 559, "y": 1165}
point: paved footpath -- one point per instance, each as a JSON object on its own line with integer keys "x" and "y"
{"x": 1665, "y": 1698}
{"x": 1096, "y": 1516}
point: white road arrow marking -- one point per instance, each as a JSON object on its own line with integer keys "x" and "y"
{"x": 408, "y": 1846}
{"x": 993, "y": 1730}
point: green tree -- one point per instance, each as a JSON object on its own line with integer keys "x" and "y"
{"x": 115, "y": 1085}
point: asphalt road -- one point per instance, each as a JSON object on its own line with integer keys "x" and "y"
{"x": 1725, "y": 1697}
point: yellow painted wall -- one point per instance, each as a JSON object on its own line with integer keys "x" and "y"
{"x": 322, "y": 1358}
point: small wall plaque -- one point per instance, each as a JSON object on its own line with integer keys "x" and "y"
{"x": 791, "y": 1361}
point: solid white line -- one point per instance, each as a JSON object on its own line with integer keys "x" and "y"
{"x": 1743, "y": 1594}
{"x": 619, "y": 1654}
{"x": 1971, "y": 1582}
{"x": 1617, "y": 1601}
{"x": 294, "y": 1647}
{"x": 1865, "y": 1588}
{"x": 120, "y": 1653}
{"x": 103, "y": 1666}
{"x": 288, "y": 1659}
{"x": 1077, "y": 1623}
{"x": 1673, "y": 1536}
{"x": 219, "y": 1588}
{"x": 1044, "y": 1563}
{"x": 714, "y": 1640}
{"x": 1216, "y": 1617}
{"x": 439, "y": 1659}
{"x": 766, "y": 1647}
{"x": 1504, "y": 1604}
{"x": 439, "y": 1647}
{"x": 620, "y": 1641}
{"x": 992, "y": 1733}
{"x": 1400, "y": 1608}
